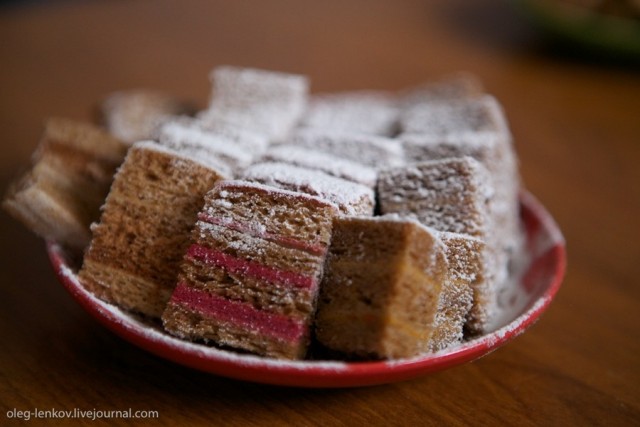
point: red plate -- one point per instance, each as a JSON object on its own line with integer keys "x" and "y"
{"x": 533, "y": 291}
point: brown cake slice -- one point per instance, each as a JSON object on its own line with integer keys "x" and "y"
{"x": 266, "y": 102}
{"x": 350, "y": 198}
{"x": 369, "y": 112}
{"x": 144, "y": 229}
{"x": 251, "y": 274}
{"x": 386, "y": 293}
{"x": 452, "y": 195}
{"x": 72, "y": 169}
{"x": 134, "y": 115}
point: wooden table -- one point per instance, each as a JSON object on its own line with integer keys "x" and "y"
{"x": 577, "y": 128}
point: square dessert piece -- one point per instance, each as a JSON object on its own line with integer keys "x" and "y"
{"x": 251, "y": 274}
{"x": 452, "y": 195}
{"x": 234, "y": 148}
{"x": 371, "y": 150}
{"x": 468, "y": 115}
{"x": 465, "y": 255}
{"x": 263, "y": 101}
{"x": 72, "y": 169}
{"x": 135, "y": 114}
{"x": 385, "y": 292}
{"x": 350, "y": 198}
{"x": 448, "y": 195}
{"x": 459, "y": 86}
{"x": 321, "y": 160}
{"x": 144, "y": 230}
{"x": 367, "y": 112}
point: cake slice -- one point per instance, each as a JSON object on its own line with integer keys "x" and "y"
{"x": 368, "y": 112}
{"x": 263, "y": 101}
{"x": 467, "y": 281}
{"x": 144, "y": 228}
{"x": 451, "y": 195}
{"x": 371, "y": 150}
{"x": 251, "y": 274}
{"x": 349, "y": 197}
{"x": 321, "y": 160}
{"x": 72, "y": 169}
{"x": 385, "y": 293}
{"x": 134, "y": 115}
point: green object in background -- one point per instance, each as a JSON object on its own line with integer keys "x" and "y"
{"x": 587, "y": 28}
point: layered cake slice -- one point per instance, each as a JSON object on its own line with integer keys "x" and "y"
{"x": 263, "y": 101}
{"x": 144, "y": 229}
{"x": 72, "y": 169}
{"x": 134, "y": 115}
{"x": 321, "y": 160}
{"x": 251, "y": 275}
{"x": 371, "y": 150}
{"x": 351, "y": 198}
{"x": 386, "y": 293}
{"x": 368, "y": 112}
{"x": 451, "y": 195}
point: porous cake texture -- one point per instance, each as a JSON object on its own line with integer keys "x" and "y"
{"x": 384, "y": 290}
{"x": 350, "y": 198}
{"x": 144, "y": 229}
{"x": 72, "y": 169}
{"x": 263, "y": 101}
{"x": 135, "y": 114}
{"x": 251, "y": 274}
{"x": 371, "y": 150}
{"x": 369, "y": 112}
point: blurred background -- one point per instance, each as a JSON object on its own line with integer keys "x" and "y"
{"x": 570, "y": 84}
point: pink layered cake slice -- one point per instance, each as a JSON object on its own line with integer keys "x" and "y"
{"x": 369, "y": 112}
{"x": 263, "y": 101}
{"x": 250, "y": 277}
{"x": 350, "y": 198}
{"x": 371, "y": 150}
{"x": 321, "y": 160}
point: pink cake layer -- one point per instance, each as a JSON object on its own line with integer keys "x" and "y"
{"x": 235, "y": 313}
{"x": 311, "y": 247}
{"x": 252, "y": 269}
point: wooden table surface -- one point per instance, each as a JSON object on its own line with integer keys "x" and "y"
{"x": 576, "y": 125}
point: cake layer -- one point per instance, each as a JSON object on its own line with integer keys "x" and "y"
{"x": 349, "y": 197}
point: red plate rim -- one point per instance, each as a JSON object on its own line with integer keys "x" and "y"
{"x": 323, "y": 373}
